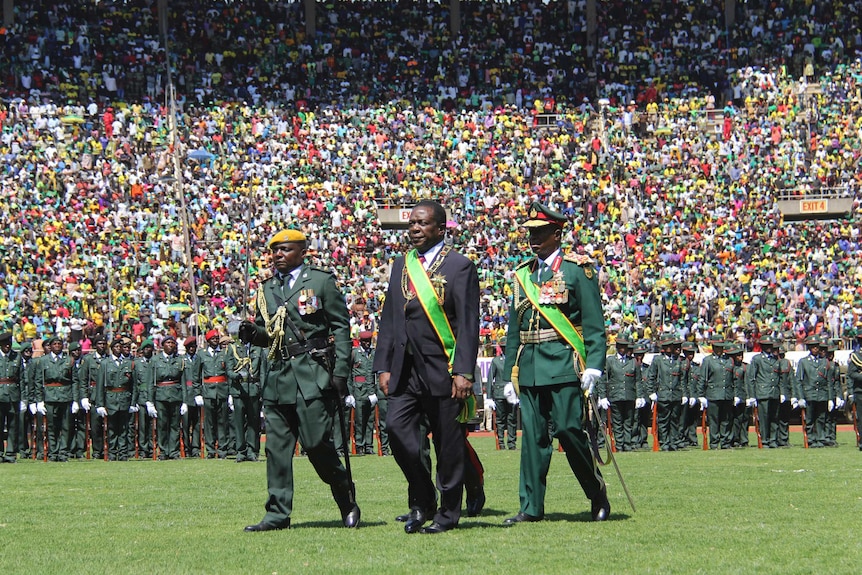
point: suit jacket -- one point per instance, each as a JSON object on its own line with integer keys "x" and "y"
{"x": 405, "y": 328}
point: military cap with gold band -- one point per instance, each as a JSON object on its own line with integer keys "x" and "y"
{"x": 286, "y": 236}
{"x": 541, "y": 215}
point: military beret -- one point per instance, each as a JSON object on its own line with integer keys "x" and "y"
{"x": 147, "y": 343}
{"x": 541, "y": 215}
{"x": 168, "y": 338}
{"x": 49, "y": 340}
{"x": 501, "y": 342}
{"x": 74, "y": 346}
{"x": 99, "y": 339}
{"x": 212, "y": 334}
{"x": 366, "y": 334}
{"x": 286, "y": 236}
{"x": 190, "y": 341}
{"x": 5, "y": 337}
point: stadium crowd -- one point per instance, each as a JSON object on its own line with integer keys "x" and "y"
{"x": 384, "y": 107}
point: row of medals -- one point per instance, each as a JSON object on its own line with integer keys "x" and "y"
{"x": 554, "y": 291}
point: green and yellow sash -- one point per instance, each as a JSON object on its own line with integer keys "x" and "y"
{"x": 553, "y": 315}
{"x": 433, "y": 307}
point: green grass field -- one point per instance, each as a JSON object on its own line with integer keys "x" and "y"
{"x": 739, "y": 511}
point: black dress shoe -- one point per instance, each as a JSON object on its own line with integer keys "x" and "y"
{"x": 601, "y": 507}
{"x": 406, "y": 517}
{"x": 263, "y": 526}
{"x": 475, "y": 503}
{"x": 350, "y": 517}
{"x": 522, "y": 517}
{"x": 436, "y": 528}
{"x": 415, "y": 521}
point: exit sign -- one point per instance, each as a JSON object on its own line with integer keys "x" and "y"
{"x": 813, "y": 206}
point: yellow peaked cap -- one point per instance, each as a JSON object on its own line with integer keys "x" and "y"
{"x": 287, "y": 236}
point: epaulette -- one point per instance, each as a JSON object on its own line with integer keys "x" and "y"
{"x": 580, "y": 259}
{"x": 320, "y": 269}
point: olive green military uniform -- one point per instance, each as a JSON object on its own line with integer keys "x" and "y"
{"x": 142, "y": 372}
{"x": 854, "y": 383}
{"x": 191, "y": 421}
{"x": 692, "y": 411}
{"x": 363, "y": 384}
{"x": 766, "y": 383}
{"x": 30, "y": 440}
{"x": 212, "y": 364}
{"x": 814, "y": 384}
{"x": 86, "y": 380}
{"x": 11, "y": 378}
{"x": 619, "y": 385}
{"x": 53, "y": 386}
{"x": 246, "y": 366}
{"x": 549, "y": 381}
{"x": 167, "y": 393}
{"x": 718, "y": 385}
{"x": 785, "y": 409}
{"x": 506, "y": 413}
{"x": 664, "y": 382}
{"x": 741, "y": 412}
{"x": 643, "y": 417}
{"x": 832, "y": 416}
{"x": 115, "y": 392}
{"x": 299, "y": 402}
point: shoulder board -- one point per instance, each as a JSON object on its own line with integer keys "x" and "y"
{"x": 526, "y": 263}
{"x": 320, "y": 269}
{"x": 580, "y": 259}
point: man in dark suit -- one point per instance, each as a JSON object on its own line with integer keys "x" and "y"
{"x": 432, "y": 302}
{"x": 302, "y": 318}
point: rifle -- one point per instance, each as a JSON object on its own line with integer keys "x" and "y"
{"x": 155, "y": 443}
{"x": 87, "y": 439}
{"x": 45, "y": 438}
{"x": 494, "y": 428}
{"x": 757, "y": 428}
{"x": 352, "y": 431}
{"x": 182, "y": 443}
{"x": 377, "y": 428}
{"x": 33, "y": 437}
{"x": 804, "y": 428}
{"x": 105, "y": 437}
{"x": 855, "y": 423}
{"x": 655, "y": 445}
{"x": 611, "y": 433}
{"x": 704, "y": 429}
{"x": 137, "y": 442}
{"x": 202, "y": 442}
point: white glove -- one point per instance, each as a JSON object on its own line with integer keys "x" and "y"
{"x": 32, "y": 409}
{"x": 692, "y": 401}
{"x": 704, "y": 403}
{"x": 604, "y": 403}
{"x": 229, "y": 403}
{"x": 134, "y": 408}
{"x": 653, "y": 397}
{"x": 803, "y": 404}
{"x": 85, "y": 403}
{"x": 261, "y": 414}
{"x": 640, "y": 402}
{"x": 184, "y": 407}
{"x": 75, "y": 407}
{"x": 736, "y": 401}
{"x": 22, "y": 406}
{"x": 750, "y": 402}
{"x": 782, "y": 398}
{"x": 850, "y": 400}
{"x": 589, "y": 378}
{"x": 151, "y": 409}
{"x": 509, "y": 392}
{"x": 199, "y": 400}
{"x": 794, "y": 403}
{"x": 40, "y": 407}
{"x": 102, "y": 412}
{"x": 372, "y": 399}
{"x": 489, "y": 403}
{"x": 839, "y": 403}
{"x": 350, "y": 401}
{"x": 830, "y": 405}
{"x": 684, "y": 400}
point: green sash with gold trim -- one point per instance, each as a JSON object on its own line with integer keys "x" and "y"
{"x": 553, "y": 315}
{"x": 433, "y": 307}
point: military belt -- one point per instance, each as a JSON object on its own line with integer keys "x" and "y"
{"x": 295, "y": 349}
{"x": 118, "y": 389}
{"x": 540, "y": 336}
{"x": 92, "y": 384}
{"x": 167, "y": 383}
{"x": 215, "y": 379}
{"x": 7, "y": 381}
{"x": 56, "y": 384}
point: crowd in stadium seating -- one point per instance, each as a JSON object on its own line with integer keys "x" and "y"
{"x": 382, "y": 104}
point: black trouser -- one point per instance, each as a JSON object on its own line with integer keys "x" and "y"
{"x": 9, "y": 422}
{"x": 192, "y": 431}
{"x": 246, "y": 421}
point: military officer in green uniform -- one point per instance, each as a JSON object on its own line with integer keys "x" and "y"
{"x": 834, "y": 372}
{"x": 788, "y": 404}
{"x": 814, "y": 388}
{"x": 854, "y": 381}
{"x": 11, "y": 376}
{"x": 767, "y": 387}
{"x": 716, "y": 392}
{"x": 691, "y": 411}
{"x": 302, "y": 320}
{"x": 617, "y": 392}
{"x": 28, "y": 431}
{"x": 141, "y": 423}
{"x": 558, "y": 347}
{"x": 643, "y": 411}
{"x": 505, "y": 408}
{"x": 166, "y": 397}
{"x": 77, "y": 423}
{"x": 380, "y": 412}
{"x": 191, "y": 421}
{"x": 86, "y": 381}
{"x": 363, "y": 387}
{"x": 741, "y": 411}
{"x": 114, "y": 396}
{"x": 54, "y": 397}
{"x": 665, "y": 387}
{"x": 212, "y": 364}
{"x": 246, "y": 364}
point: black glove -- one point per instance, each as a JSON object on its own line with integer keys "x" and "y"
{"x": 339, "y": 382}
{"x": 247, "y": 331}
